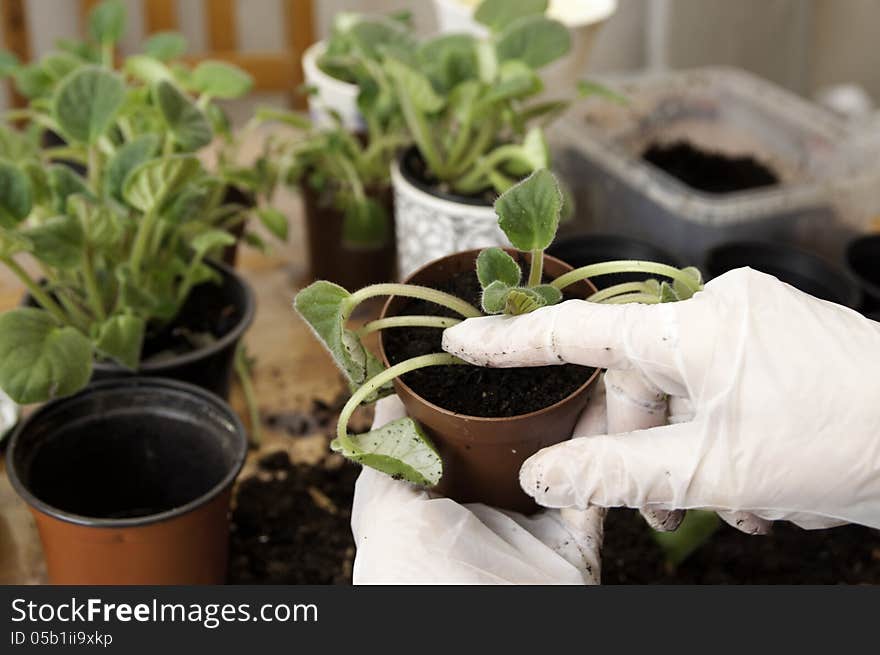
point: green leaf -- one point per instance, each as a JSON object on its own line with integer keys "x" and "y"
{"x": 365, "y": 224}
{"x": 292, "y": 118}
{"x": 166, "y": 45}
{"x": 134, "y": 296}
{"x": 495, "y": 264}
{"x": 186, "y": 122}
{"x": 147, "y": 69}
{"x": 63, "y": 183}
{"x": 9, "y": 63}
{"x": 696, "y": 529}
{"x": 528, "y": 213}
{"x": 498, "y": 14}
{"x": 126, "y": 159}
{"x": 516, "y": 80}
{"x": 522, "y": 301}
{"x": 32, "y": 81}
{"x": 533, "y": 40}
{"x": 60, "y": 64}
{"x": 587, "y": 88}
{"x": 86, "y": 101}
{"x": 550, "y": 294}
{"x": 211, "y": 240}
{"x": 191, "y": 202}
{"x": 494, "y": 297}
{"x": 101, "y": 227}
{"x": 39, "y": 359}
{"x": 12, "y": 242}
{"x": 149, "y": 185}
{"x": 107, "y": 22}
{"x": 400, "y": 449}
{"x": 121, "y": 339}
{"x": 667, "y": 293}
{"x": 221, "y": 80}
{"x": 274, "y": 221}
{"x": 415, "y": 86}
{"x": 58, "y": 241}
{"x": 682, "y": 290}
{"x": 15, "y": 195}
{"x": 533, "y": 154}
{"x": 449, "y": 60}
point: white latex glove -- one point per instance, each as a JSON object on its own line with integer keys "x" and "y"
{"x": 784, "y": 390}
{"x": 404, "y": 535}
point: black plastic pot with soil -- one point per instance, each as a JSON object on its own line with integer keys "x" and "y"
{"x": 710, "y": 171}
{"x": 800, "y": 269}
{"x": 331, "y": 258}
{"x": 485, "y": 422}
{"x": 199, "y": 345}
{"x": 129, "y": 482}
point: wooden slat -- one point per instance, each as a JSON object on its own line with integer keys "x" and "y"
{"x": 300, "y": 23}
{"x": 160, "y": 15}
{"x": 15, "y": 38}
{"x": 85, "y": 6}
{"x": 220, "y": 24}
{"x": 272, "y": 71}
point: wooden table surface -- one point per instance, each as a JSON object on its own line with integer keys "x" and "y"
{"x": 291, "y": 369}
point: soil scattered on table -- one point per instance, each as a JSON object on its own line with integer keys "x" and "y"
{"x": 320, "y": 417}
{"x": 292, "y": 523}
{"x": 712, "y": 172}
{"x": 788, "y": 555}
{"x": 474, "y": 390}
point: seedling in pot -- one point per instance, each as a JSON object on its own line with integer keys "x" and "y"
{"x": 529, "y": 215}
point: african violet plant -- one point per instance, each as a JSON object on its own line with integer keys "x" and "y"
{"x": 529, "y": 215}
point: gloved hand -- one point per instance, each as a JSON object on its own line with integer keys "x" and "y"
{"x": 784, "y": 391}
{"x": 404, "y": 535}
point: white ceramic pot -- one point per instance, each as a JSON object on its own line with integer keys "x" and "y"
{"x": 429, "y": 227}
{"x": 582, "y": 17}
{"x": 330, "y": 93}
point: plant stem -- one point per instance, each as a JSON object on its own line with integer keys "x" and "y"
{"x": 616, "y": 290}
{"x": 242, "y": 369}
{"x": 43, "y": 299}
{"x": 92, "y": 290}
{"x": 536, "y": 269}
{"x": 623, "y": 266}
{"x": 407, "y": 321}
{"x": 380, "y": 379}
{"x": 140, "y": 242}
{"x": 411, "y": 291}
{"x": 645, "y": 298}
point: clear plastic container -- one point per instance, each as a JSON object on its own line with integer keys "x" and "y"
{"x": 829, "y": 179}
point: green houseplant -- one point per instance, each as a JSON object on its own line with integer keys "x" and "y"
{"x": 508, "y": 283}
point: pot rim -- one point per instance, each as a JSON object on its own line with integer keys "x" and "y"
{"x": 248, "y": 313}
{"x": 139, "y": 521}
{"x": 853, "y": 296}
{"x": 871, "y": 288}
{"x": 489, "y": 420}
{"x": 311, "y": 71}
{"x": 449, "y": 202}
{"x": 600, "y": 12}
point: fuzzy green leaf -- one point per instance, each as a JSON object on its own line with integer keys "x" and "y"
{"x": 58, "y": 241}
{"x": 39, "y": 359}
{"x": 550, "y": 294}
{"x": 101, "y": 227}
{"x": 221, "y": 80}
{"x": 528, "y": 213}
{"x": 186, "y": 122}
{"x": 493, "y": 264}
{"x": 682, "y": 290}
{"x": 533, "y": 154}
{"x": 86, "y": 101}
{"x": 60, "y": 64}
{"x": 274, "y": 221}
{"x": 415, "y": 86}
{"x": 667, "y": 293}
{"x": 15, "y": 195}
{"x": 149, "y": 185}
{"x": 523, "y": 301}
{"x": 12, "y": 242}
{"x": 107, "y": 22}
{"x": 696, "y": 529}
{"x": 64, "y": 183}
{"x": 400, "y": 449}
{"x": 211, "y": 240}
{"x": 121, "y": 339}
{"x": 533, "y": 40}
{"x": 494, "y": 297}
{"x": 165, "y": 46}
{"x": 125, "y": 160}
{"x": 147, "y": 69}
{"x": 498, "y": 14}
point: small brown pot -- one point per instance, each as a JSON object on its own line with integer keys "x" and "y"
{"x": 129, "y": 482}
{"x": 482, "y": 456}
{"x": 330, "y": 259}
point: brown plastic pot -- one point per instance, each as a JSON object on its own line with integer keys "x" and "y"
{"x": 330, "y": 259}
{"x": 482, "y": 456}
{"x": 129, "y": 482}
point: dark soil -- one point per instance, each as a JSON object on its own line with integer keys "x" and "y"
{"x": 473, "y": 390}
{"x": 788, "y": 555}
{"x": 291, "y": 523}
{"x": 206, "y": 316}
{"x": 712, "y": 172}
{"x": 415, "y": 169}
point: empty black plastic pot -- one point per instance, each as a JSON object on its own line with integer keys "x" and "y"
{"x": 802, "y": 270}
{"x": 586, "y": 249}
{"x": 863, "y": 263}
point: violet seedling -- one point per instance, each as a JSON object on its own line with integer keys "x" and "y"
{"x": 529, "y": 215}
